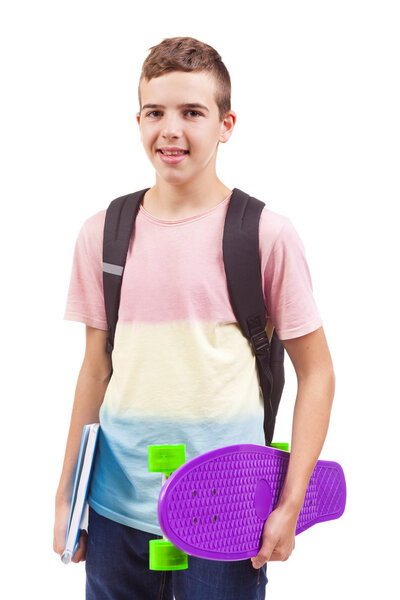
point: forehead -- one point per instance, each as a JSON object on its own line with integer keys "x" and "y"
{"x": 179, "y": 87}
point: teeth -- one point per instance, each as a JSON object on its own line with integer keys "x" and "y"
{"x": 171, "y": 153}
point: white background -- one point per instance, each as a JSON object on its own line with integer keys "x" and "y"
{"x": 315, "y": 86}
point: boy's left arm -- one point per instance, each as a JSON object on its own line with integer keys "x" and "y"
{"x": 315, "y": 391}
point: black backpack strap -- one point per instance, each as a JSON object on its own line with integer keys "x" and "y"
{"x": 118, "y": 228}
{"x": 243, "y": 273}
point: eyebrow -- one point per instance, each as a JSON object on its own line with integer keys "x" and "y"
{"x": 186, "y": 105}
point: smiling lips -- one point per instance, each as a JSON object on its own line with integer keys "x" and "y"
{"x": 173, "y": 158}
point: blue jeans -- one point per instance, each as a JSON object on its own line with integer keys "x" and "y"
{"x": 117, "y": 568}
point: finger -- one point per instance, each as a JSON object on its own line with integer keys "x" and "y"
{"x": 58, "y": 544}
{"x": 268, "y": 549}
{"x": 80, "y": 553}
{"x": 280, "y": 555}
{"x": 264, "y": 554}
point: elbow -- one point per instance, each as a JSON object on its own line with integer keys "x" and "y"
{"x": 323, "y": 380}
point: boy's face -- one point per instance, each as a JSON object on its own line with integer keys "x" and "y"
{"x": 195, "y": 129}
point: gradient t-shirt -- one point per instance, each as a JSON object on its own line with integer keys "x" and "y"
{"x": 183, "y": 373}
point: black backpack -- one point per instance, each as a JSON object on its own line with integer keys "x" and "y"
{"x": 243, "y": 273}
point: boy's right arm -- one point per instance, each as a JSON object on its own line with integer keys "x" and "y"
{"x": 91, "y": 386}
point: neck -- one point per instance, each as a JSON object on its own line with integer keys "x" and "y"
{"x": 168, "y": 201}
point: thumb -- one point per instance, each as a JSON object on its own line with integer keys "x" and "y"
{"x": 265, "y": 552}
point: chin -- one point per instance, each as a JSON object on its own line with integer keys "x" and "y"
{"x": 173, "y": 180}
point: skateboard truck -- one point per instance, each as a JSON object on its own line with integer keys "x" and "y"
{"x": 163, "y": 555}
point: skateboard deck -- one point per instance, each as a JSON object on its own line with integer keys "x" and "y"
{"x": 215, "y": 505}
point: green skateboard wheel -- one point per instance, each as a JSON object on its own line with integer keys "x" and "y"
{"x": 166, "y": 459}
{"x": 281, "y": 446}
{"x": 164, "y": 556}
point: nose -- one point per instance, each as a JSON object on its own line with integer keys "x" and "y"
{"x": 171, "y": 127}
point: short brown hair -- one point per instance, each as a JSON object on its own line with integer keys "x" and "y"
{"x": 188, "y": 54}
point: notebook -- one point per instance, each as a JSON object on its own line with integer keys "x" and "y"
{"x": 79, "y": 507}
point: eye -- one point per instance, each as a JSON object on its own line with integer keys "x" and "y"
{"x": 187, "y": 111}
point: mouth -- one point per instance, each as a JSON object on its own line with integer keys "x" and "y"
{"x": 172, "y": 158}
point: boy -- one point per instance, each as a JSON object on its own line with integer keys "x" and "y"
{"x": 182, "y": 370}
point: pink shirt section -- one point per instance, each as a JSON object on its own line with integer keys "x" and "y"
{"x": 175, "y": 270}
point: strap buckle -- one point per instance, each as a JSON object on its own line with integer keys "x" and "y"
{"x": 260, "y": 342}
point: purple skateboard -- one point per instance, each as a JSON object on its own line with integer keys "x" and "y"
{"x": 215, "y": 505}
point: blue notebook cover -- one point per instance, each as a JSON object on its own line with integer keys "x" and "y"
{"x": 83, "y": 473}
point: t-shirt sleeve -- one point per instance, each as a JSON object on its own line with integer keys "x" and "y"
{"x": 85, "y": 299}
{"x": 287, "y": 284}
